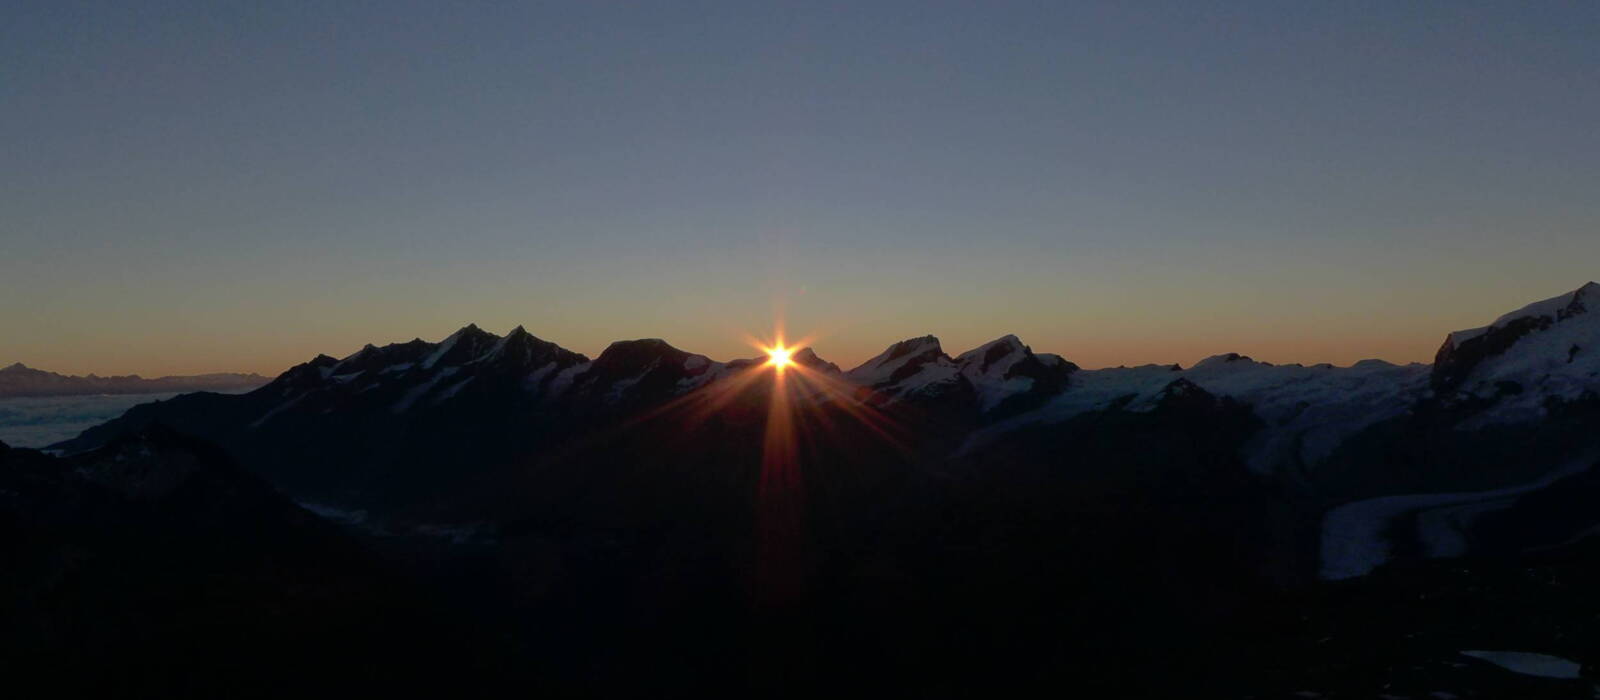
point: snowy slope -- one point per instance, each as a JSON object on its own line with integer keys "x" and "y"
{"x": 996, "y": 374}
{"x": 1308, "y": 411}
{"x": 991, "y": 369}
{"x": 1356, "y": 537}
{"x": 1546, "y": 351}
{"x": 915, "y": 367}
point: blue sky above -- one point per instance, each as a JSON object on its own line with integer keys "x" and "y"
{"x": 210, "y": 186}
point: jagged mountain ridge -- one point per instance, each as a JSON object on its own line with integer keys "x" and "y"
{"x": 338, "y": 430}
{"x": 332, "y": 428}
{"x": 472, "y": 361}
{"x": 1138, "y": 503}
{"x": 1003, "y": 381}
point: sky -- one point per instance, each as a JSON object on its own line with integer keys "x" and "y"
{"x": 239, "y": 186}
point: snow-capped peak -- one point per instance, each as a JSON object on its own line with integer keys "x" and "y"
{"x": 1230, "y": 359}
{"x": 1004, "y": 369}
{"x": 917, "y": 366}
{"x": 1556, "y": 308}
{"x": 994, "y": 356}
{"x": 994, "y": 373}
{"x": 899, "y": 362}
{"x": 1546, "y": 351}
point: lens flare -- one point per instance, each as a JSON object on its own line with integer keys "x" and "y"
{"x": 810, "y": 408}
{"x": 778, "y": 357}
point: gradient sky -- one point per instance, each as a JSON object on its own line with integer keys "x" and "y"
{"x": 215, "y": 186}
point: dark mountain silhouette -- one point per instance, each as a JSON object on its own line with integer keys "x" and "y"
{"x": 655, "y": 522}
{"x": 154, "y": 565}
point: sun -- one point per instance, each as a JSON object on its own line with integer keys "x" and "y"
{"x": 779, "y": 357}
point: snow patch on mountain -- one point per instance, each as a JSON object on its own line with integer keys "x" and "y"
{"x": 931, "y": 374}
{"x": 499, "y": 347}
{"x": 280, "y": 408}
{"x": 565, "y": 378}
{"x": 452, "y": 390}
{"x": 443, "y": 348}
{"x": 471, "y": 344}
{"x": 537, "y": 377}
{"x": 621, "y": 386}
{"x": 900, "y": 357}
{"x": 412, "y": 395}
{"x": 702, "y": 371}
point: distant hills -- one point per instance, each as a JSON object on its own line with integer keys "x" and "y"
{"x": 22, "y": 380}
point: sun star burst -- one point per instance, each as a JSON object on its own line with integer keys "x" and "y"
{"x": 779, "y": 357}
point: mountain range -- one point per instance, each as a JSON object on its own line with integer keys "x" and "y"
{"x": 21, "y": 380}
{"x": 938, "y": 525}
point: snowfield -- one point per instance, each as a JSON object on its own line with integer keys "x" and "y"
{"x": 1530, "y": 664}
{"x": 1355, "y": 536}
